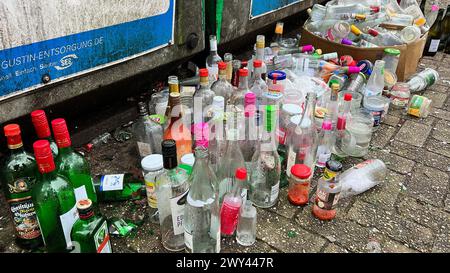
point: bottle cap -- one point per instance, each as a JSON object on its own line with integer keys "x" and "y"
{"x": 188, "y": 159}
{"x": 12, "y": 130}
{"x": 250, "y": 98}
{"x": 334, "y": 166}
{"x": 420, "y": 21}
{"x": 61, "y": 133}
{"x": 327, "y": 125}
{"x": 355, "y": 30}
{"x": 152, "y": 163}
{"x": 203, "y": 72}
{"x": 307, "y": 48}
{"x": 169, "y": 151}
{"x": 346, "y": 42}
{"x": 84, "y": 208}
{"x": 243, "y": 72}
{"x": 257, "y": 63}
{"x": 40, "y": 123}
{"x": 434, "y": 7}
{"x": 348, "y": 97}
{"x": 301, "y": 171}
{"x": 44, "y": 157}
{"x": 319, "y": 52}
{"x": 375, "y": 9}
{"x": 279, "y": 75}
{"x": 330, "y": 56}
{"x": 222, "y": 65}
{"x": 373, "y": 32}
{"x": 392, "y": 51}
{"x": 241, "y": 173}
{"x": 13, "y": 137}
{"x": 353, "y": 70}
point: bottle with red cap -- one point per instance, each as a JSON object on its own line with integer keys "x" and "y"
{"x": 203, "y": 98}
{"x": 248, "y": 143}
{"x": 341, "y": 125}
{"x": 259, "y": 86}
{"x": 54, "y": 200}
{"x": 73, "y": 165}
{"x": 237, "y": 99}
{"x": 18, "y": 175}
{"x": 299, "y": 184}
{"x": 232, "y": 202}
{"x": 222, "y": 87}
{"x": 40, "y": 123}
{"x": 325, "y": 144}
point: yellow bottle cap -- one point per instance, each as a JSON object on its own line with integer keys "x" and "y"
{"x": 420, "y": 22}
{"x": 360, "y": 17}
{"x": 319, "y": 51}
{"x": 279, "y": 28}
{"x": 355, "y": 30}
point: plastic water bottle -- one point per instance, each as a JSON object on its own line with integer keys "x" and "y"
{"x": 362, "y": 177}
{"x": 375, "y": 84}
{"x": 423, "y": 80}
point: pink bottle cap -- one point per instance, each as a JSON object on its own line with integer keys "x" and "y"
{"x": 326, "y": 125}
{"x": 201, "y": 134}
{"x": 434, "y": 8}
{"x": 354, "y": 69}
{"x": 307, "y": 48}
{"x": 250, "y": 107}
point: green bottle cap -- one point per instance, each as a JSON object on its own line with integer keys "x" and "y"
{"x": 271, "y": 111}
{"x": 392, "y": 51}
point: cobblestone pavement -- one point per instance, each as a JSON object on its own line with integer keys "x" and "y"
{"x": 409, "y": 212}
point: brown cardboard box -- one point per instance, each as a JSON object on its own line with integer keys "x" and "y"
{"x": 409, "y": 57}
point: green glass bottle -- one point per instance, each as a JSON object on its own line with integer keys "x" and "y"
{"x": 119, "y": 187}
{"x": 73, "y": 165}
{"x": 445, "y": 29}
{"x": 40, "y": 123}
{"x": 90, "y": 232}
{"x": 434, "y": 36}
{"x": 18, "y": 175}
{"x": 54, "y": 200}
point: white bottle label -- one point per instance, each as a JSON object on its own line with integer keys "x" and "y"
{"x": 67, "y": 221}
{"x": 434, "y": 45}
{"x": 213, "y": 71}
{"x": 80, "y": 193}
{"x": 290, "y": 162}
{"x": 112, "y": 182}
{"x": 144, "y": 149}
{"x": 177, "y": 213}
{"x": 101, "y": 238}
{"x": 213, "y": 45}
{"x": 275, "y": 191}
{"x": 188, "y": 241}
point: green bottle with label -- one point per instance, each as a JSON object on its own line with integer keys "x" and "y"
{"x": 119, "y": 187}
{"x": 18, "y": 175}
{"x": 54, "y": 200}
{"x": 434, "y": 36}
{"x": 71, "y": 164}
{"x": 90, "y": 232}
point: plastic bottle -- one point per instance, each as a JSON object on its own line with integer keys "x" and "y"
{"x": 423, "y": 80}
{"x": 375, "y": 84}
{"x": 246, "y": 229}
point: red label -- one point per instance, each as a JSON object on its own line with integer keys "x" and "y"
{"x": 341, "y": 123}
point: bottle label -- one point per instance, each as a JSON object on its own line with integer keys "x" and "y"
{"x": 281, "y": 134}
{"x": 274, "y": 192}
{"x": 24, "y": 217}
{"x": 151, "y": 193}
{"x": 80, "y": 193}
{"x": 101, "y": 238}
{"x": 112, "y": 182}
{"x": 327, "y": 201}
{"x": 213, "y": 72}
{"x": 290, "y": 162}
{"x": 177, "y": 208}
{"x": 434, "y": 45}
{"x": 229, "y": 215}
{"x": 144, "y": 149}
{"x": 67, "y": 221}
{"x": 415, "y": 106}
{"x": 377, "y": 115}
{"x": 322, "y": 157}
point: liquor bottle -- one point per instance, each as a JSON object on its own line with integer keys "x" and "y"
{"x": 222, "y": 87}
{"x": 341, "y": 125}
{"x": 172, "y": 194}
{"x": 18, "y": 175}
{"x": 72, "y": 165}
{"x": 40, "y": 123}
{"x": 232, "y": 202}
{"x": 228, "y": 59}
{"x": 375, "y": 84}
{"x": 201, "y": 216}
{"x": 259, "y": 86}
{"x": 237, "y": 99}
{"x": 217, "y": 143}
{"x": 249, "y": 128}
{"x": 278, "y": 37}
{"x": 260, "y": 51}
{"x": 246, "y": 229}
{"x": 232, "y": 160}
{"x": 324, "y": 148}
{"x": 147, "y": 132}
{"x": 213, "y": 59}
{"x": 174, "y": 84}
{"x": 434, "y": 36}
{"x": 266, "y": 165}
{"x": 119, "y": 187}
{"x": 203, "y": 98}
{"x": 303, "y": 141}
{"x": 90, "y": 232}
{"x": 328, "y": 192}
{"x": 54, "y": 201}
{"x": 445, "y": 29}
{"x": 176, "y": 129}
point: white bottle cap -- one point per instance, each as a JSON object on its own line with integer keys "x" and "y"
{"x": 188, "y": 159}
{"x": 152, "y": 163}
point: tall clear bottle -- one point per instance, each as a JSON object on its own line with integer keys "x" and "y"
{"x": 147, "y": 132}
{"x": 217, "y": 142}
{"x": 237, "y": 99}
{"x": 341, "y": 125}
{"x": 375, "y": 84}
{"x": 40, "y": 123}
{"x": 203, "y": 98}
{"x": 266, "y": 165}
{"x": 259, "y": 86}
{"x": 249, "y": 128}
{"x": 213, "y": 59}
{"x": 303, "y": 140}
{"x": 260, "y": 52}
{"x": 222, "y": 87}
{"x": 201, "y": 216}
{"x": 172, "y": 193}
{"x": 324, "y": 148}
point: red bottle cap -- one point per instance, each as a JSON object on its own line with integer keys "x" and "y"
{"x": 373, "y": 32}
{"x": 61, "y": 133}
{"x": 257, "y": 63}
{"x": 348, "y": 97}
{"x": 244, "y": 63}
{"x": 243, "y": 72}
{"x": 40, "y": 123}
{"x": 241, "y": 173}
{"x": 375, "y": 9}
{"x": 13, "y": 137}
{"x": 301, "y": 171}
{"x": 222, "y": 65}
{"x": 203, "y": 72}
{"x": 12, "y": 130}
{"x": 44, "y": 157}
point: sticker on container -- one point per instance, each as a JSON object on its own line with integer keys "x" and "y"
{"x": 151, "y": 194}
{"x": 101, "y": 238}
{"x": 177, "y": 207}
{"x": 24, "y": 217}
{"x": 274, "y": 192}
{"x": 290, "y": 162}
{"x": 80, "y": 193}
{"x": 112, "y": 182}
{"x": 67, "y": 221}
{"x": 434, "y": 45}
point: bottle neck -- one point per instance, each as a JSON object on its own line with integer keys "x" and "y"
{"x": 204, "y": 83}
{"x": 87, "y": 216}
{"x": 257, "y": 75}
{"x": 260, "y": 54}
{"x": 223, "y": 75}
{"x": 236, "y": 190}
{"x": 65, "y": 150}
{"x": 213, "y": 47}
{"x": 50, "y": 175}
{"x": 243, "y": 83}
{"x": 309, "y": 112}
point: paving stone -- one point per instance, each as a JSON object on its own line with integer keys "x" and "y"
{"x": 385, "y": 194}
{"x": 428, "y": 184}
{"x": 413, "y": 133}
{"x": 392, "y": 161}
{"x": 230, "y": 245}
{"x": 420, "y": 155}
{"x": 391, "y": 120}
{"x": 383, "y": 136}
{"x": 438, "y": 98}
{"x": 447, "y": 203}
{"x": 284, "y": 207}
{"x": 403, "y": 116}
{"x": 439, "y": 147}
{"x": 333, "y": 248}
{"x": 438, "y": 88}
{"x": 424, "y": 214}
{"x": 442, "y": 243}
{"x": 275, "y": 230}
{"x": 390, "y": 246}
{"x": 395, "y": 226}
{"x": 441, "y": 131}
{"x": 441, "y": 114}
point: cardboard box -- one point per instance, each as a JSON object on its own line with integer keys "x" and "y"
{"x": 409, "y": 57}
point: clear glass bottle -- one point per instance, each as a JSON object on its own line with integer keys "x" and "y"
{"x": 278, "y": 38}
{"x": 213, "y": 59}
{"x": 172, "y": 193}
{"x": 152, "y": 169}
{"x": 246, "y": 229}
{"x": 217, "y": 143}
{"x": 344, "y": 115}
{"x": 249, "y": 129}
{"x": 222, "y": 87}
{"x": 203, "y": 98}
{"x": 237, "y": 99}
{"x": 232, "y": 202}
{"x": 303, "y": 141}
{"x": 375, "y": 84}
{"x": 228, "y": 59}
{"x": 266, "y": 165}
{"x": 259, "y": 86}
{"x": 325, "y": 144}
{"x": 201, "y": 216}
{"x": 40, "y": 123}
{"x": 147, "y": 132}
{"x": 259, "y": 55}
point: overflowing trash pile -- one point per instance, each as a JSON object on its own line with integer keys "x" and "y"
{"x": 214, "y": 147}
